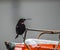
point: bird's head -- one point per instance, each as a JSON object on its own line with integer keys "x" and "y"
{"x": 22, "y": 20}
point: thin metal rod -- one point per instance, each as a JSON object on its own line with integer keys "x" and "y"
{"x": 35, "y": 30}
{"x": 44, "y": 31}
{"x": 25, "y": 35}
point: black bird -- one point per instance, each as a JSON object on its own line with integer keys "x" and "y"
{"x": 20, "y": 27}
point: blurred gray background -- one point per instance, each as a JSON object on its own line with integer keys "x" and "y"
{"x": 45, "y": 14}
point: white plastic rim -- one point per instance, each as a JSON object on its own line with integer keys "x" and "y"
{"x": 40, "y": 41}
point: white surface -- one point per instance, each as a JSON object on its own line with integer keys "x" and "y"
{"x": 40, "y": 41}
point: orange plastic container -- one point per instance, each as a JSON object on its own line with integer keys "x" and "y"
{"x": 20, "y": 47}
{"x": 38, "y": 47}
{"x": 48, "y": 46}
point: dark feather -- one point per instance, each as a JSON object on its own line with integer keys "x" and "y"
{"x": 20, "y": 27}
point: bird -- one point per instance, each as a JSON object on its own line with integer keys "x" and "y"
{"x": 20, "y": 27}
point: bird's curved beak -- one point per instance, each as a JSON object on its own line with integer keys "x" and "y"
{"x": 28, "y": 19}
